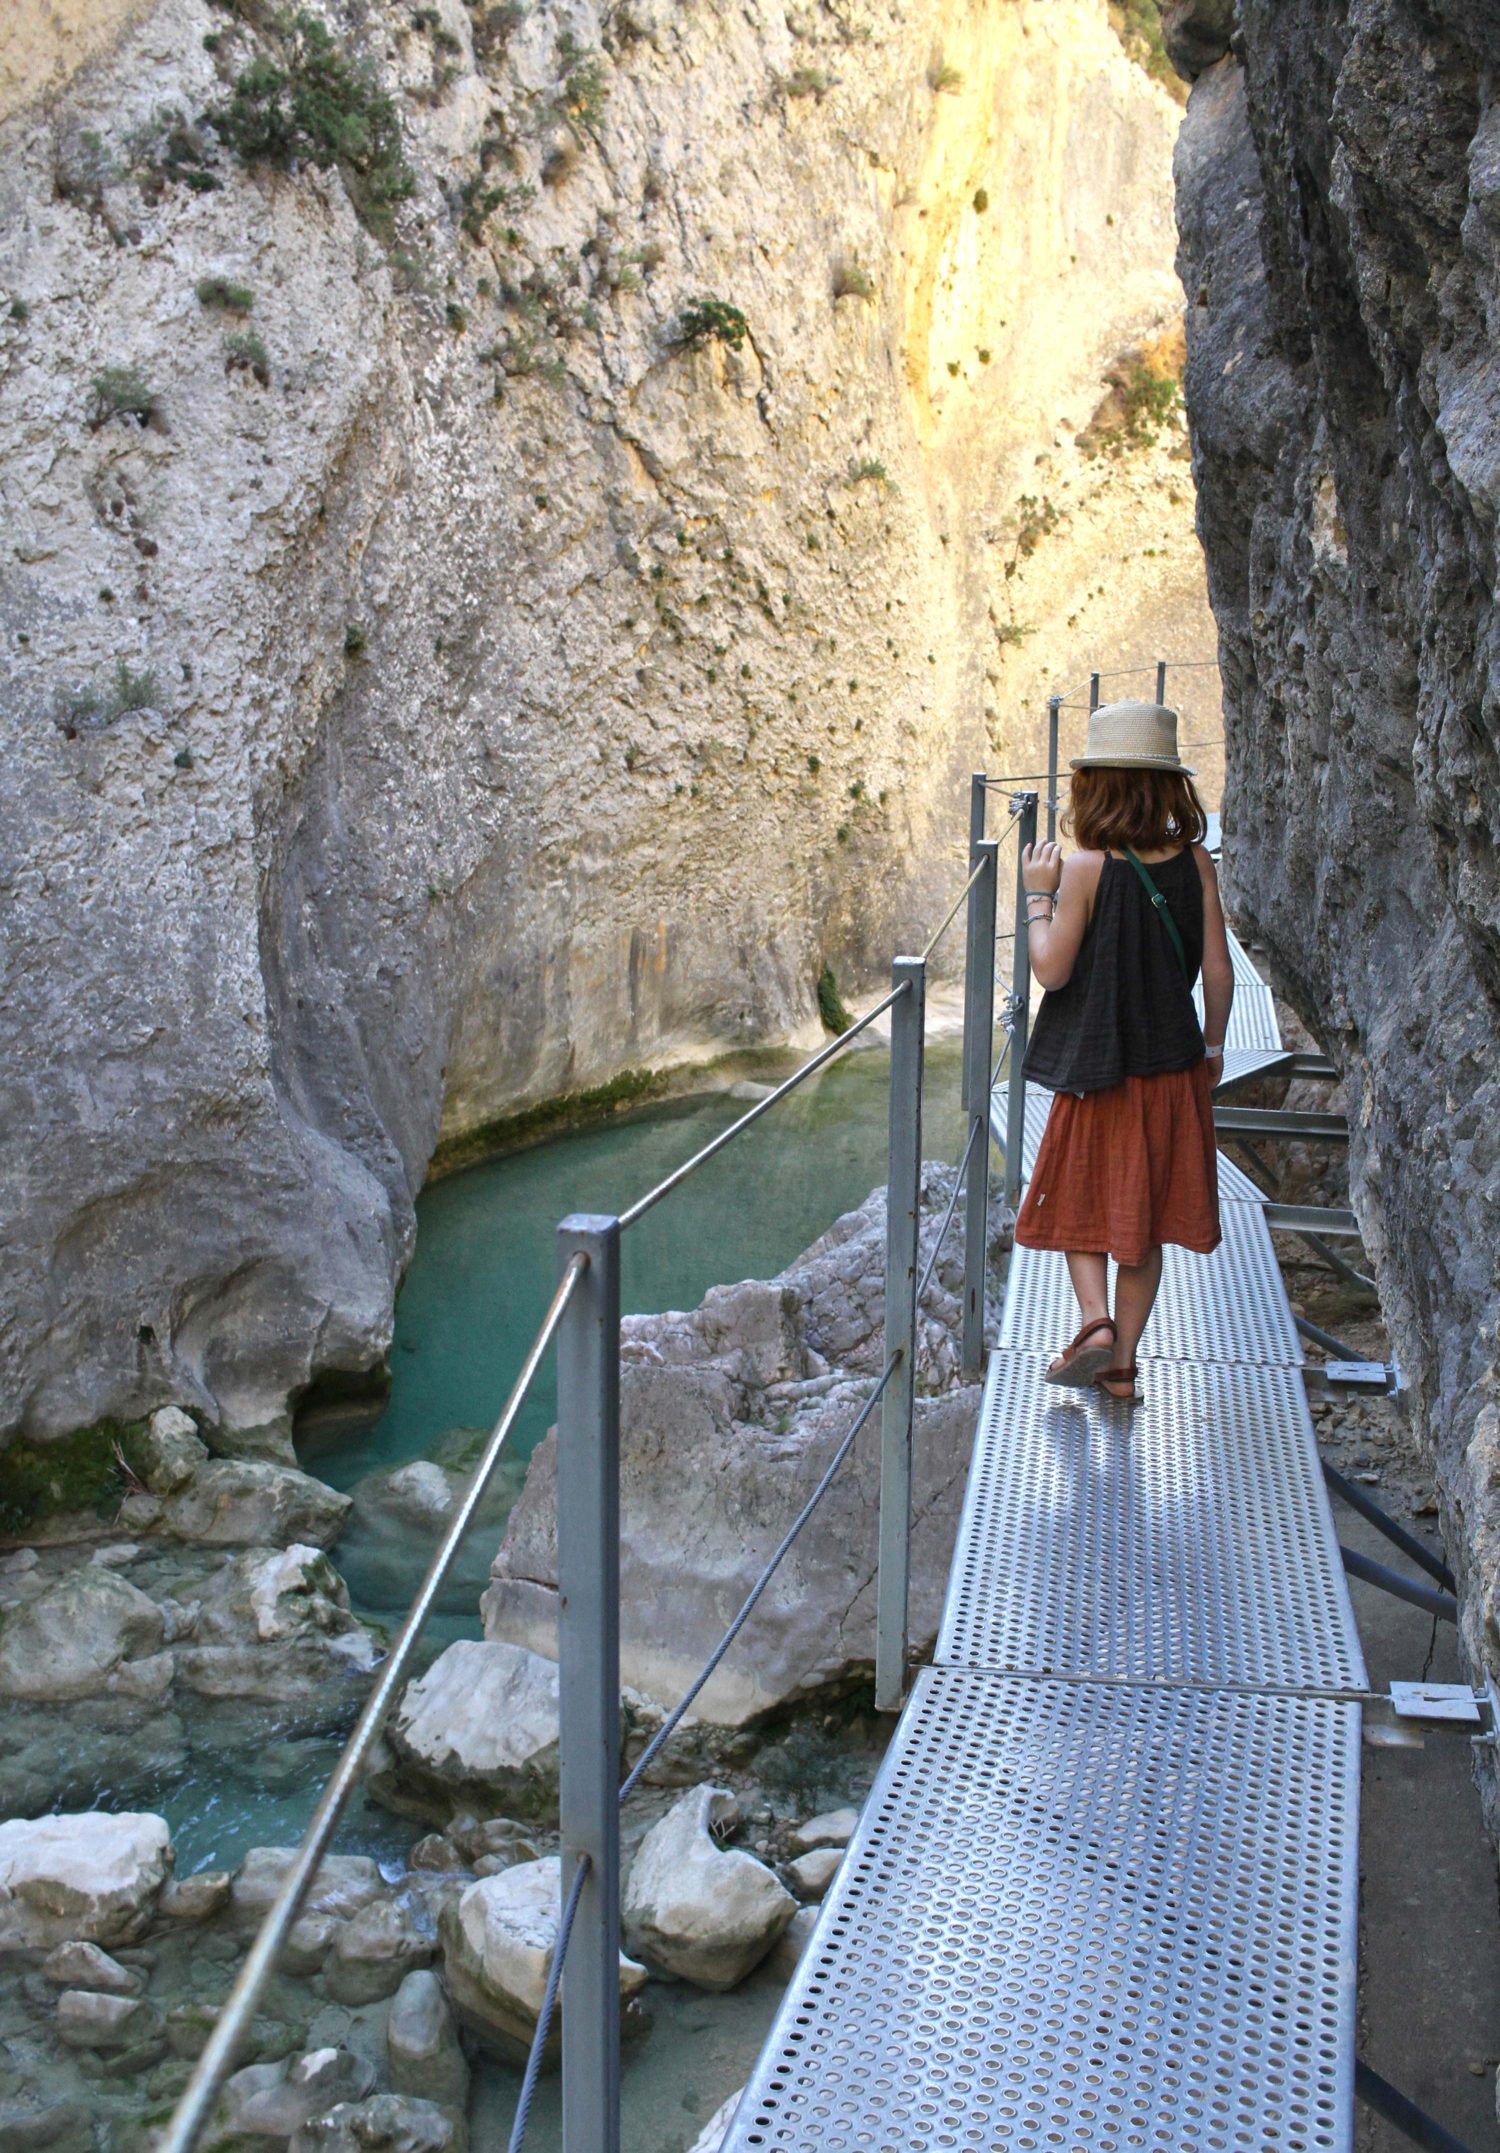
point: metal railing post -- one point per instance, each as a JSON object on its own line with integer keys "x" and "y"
{"x": 1054, "y": 706}
{"x": 979, "y": 1040}
{"x": 1093, "y": 691}
{"x": 588, "y": 1591}
{"x": 978, "y": 803}
{"x": 1020, "y": 1014}
{"x": 903, "y": 1200}
{"x": 1161, "y": 680}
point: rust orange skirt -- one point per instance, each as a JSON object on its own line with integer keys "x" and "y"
{"x": 1122, "y": 1170}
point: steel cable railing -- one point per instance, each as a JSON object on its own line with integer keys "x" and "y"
{"x": 583, "y": 1317}
{"x": 218, "y": 2054}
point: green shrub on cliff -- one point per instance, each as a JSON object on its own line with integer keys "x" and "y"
{"x": 315, "y": 104}
{"x": 706, "y": 319}
{"x": 831, "y": 1009}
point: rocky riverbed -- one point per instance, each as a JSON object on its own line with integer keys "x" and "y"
{"x": 406, "y": 1970}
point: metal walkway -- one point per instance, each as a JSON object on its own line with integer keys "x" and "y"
{"x": 1103, "y": 1893}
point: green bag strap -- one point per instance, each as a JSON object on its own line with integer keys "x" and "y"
{"x": 1162, "y": 911}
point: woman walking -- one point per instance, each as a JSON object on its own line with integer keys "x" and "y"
{"x": 1118, "y": 933}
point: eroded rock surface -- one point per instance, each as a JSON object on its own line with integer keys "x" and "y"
{"x": 696, "y": 1910}
{"x": 729, "y": 1418}
{"x": 395, "y": 638}
{"x": 498, "y": 1940}
{"x": 1338, "y": 182}
{"x": 92, "y": 1877}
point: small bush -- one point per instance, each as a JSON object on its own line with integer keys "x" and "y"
{"x": 121, "y": 392}
{"x": 493, "y": 28}
{"x": 851, "y": 281}
{"x": 168, "y": 150}
{"x": 245, "y": 353}
{"x": 706, "y": 319}
{"x": 228, "y": 298}
{"x": 92, "y": 708}
{"x": 1035, "y": 519}
{"x": 355, "y": 639}
{"x": 940, "y": 77}
{"x": 868, "y": 468}
{"x": 981, "y": 199}
{"x": 19, "y": 310}
{"x": 1013, "y": 633}
{"x": 314, "y": 104}
{"x": 831, "y": 1009}
{"x": 1149, "y": 399}
{"x": 456, "y": 318}
{"x": 1137, "y": 24}
{"x": 585, "y": 86}
{"x": 806, "y": 82}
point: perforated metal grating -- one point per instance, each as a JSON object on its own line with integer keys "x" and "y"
{"x": 1252, "y": 1014}
{"x": 1187, "y": 1541}
{"x": 1230, "y": 1306}
{"x": 1235, "y": 1186}
{"x": 1081, "y": 1917}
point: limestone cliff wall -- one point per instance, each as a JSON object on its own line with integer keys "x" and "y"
{"x": 436, "y": 688}
{"x": 1339, "y": 195}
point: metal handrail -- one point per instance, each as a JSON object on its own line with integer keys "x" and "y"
{"x": 645, "y": 1203}
{"x": 214, "y": 2063}
{"x": 954, "y": 908}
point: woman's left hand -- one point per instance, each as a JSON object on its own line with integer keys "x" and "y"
{"x": 1041, "y": 867}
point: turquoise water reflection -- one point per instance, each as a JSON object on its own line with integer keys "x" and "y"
{"x": 484, "y": 1265}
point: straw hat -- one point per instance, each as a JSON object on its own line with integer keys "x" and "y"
{"x": 1132, "y": 736}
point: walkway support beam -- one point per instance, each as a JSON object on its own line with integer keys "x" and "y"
{"x": 979, "y": 1040}
{"x": 588, "y": 1582}
{"x": 902, "y": 1232}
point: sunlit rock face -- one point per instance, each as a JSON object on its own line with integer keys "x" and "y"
{"x": 440, "y": 688}
{"x": 1339, "y": 194}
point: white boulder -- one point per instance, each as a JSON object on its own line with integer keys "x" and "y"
{"x": 478, "y": 1731}
{"x": 76, "y": 1965}
{"x": 374, "y": 1952}
{"x": 88, "y": 2019}
{"x": 92, "y": 1876}
{"x": 250, "y": 1502}
{"x": 386, "y": 2123}
{"x": 694, "y": 1910}
{"x": 498, "y": 1940}
{"x": 341, "y": 1885}
{"x": 274, "y": 2100}
{"x": 423, "y": 2055}
{"x": 836, "y": 1827}
{"x": 79, "y": 1638}
{"x": 811, "y": 1874}
{"x": 169, "y": 1451}
{"x": 274, "y": 1624}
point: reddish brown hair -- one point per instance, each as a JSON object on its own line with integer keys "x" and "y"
{"x": 1145, "y": 809}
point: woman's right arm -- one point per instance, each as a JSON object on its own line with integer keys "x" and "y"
{"x": 1218, "y": 971}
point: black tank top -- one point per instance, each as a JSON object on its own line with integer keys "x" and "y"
{"x": 1126, "y": 1010}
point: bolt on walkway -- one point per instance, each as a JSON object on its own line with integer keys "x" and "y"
{"x": 1104, "y": 1890}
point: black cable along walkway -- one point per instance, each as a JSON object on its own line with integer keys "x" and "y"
{"x": 1103, "y": 1894}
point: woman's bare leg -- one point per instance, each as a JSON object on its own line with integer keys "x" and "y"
{"x": 1135, "y": 1290}
{"x": 1090, "y": 1276}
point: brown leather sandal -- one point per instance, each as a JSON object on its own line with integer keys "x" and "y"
{"x": 1079, "y": 1365}
{"x": 1120, "y": 1375}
